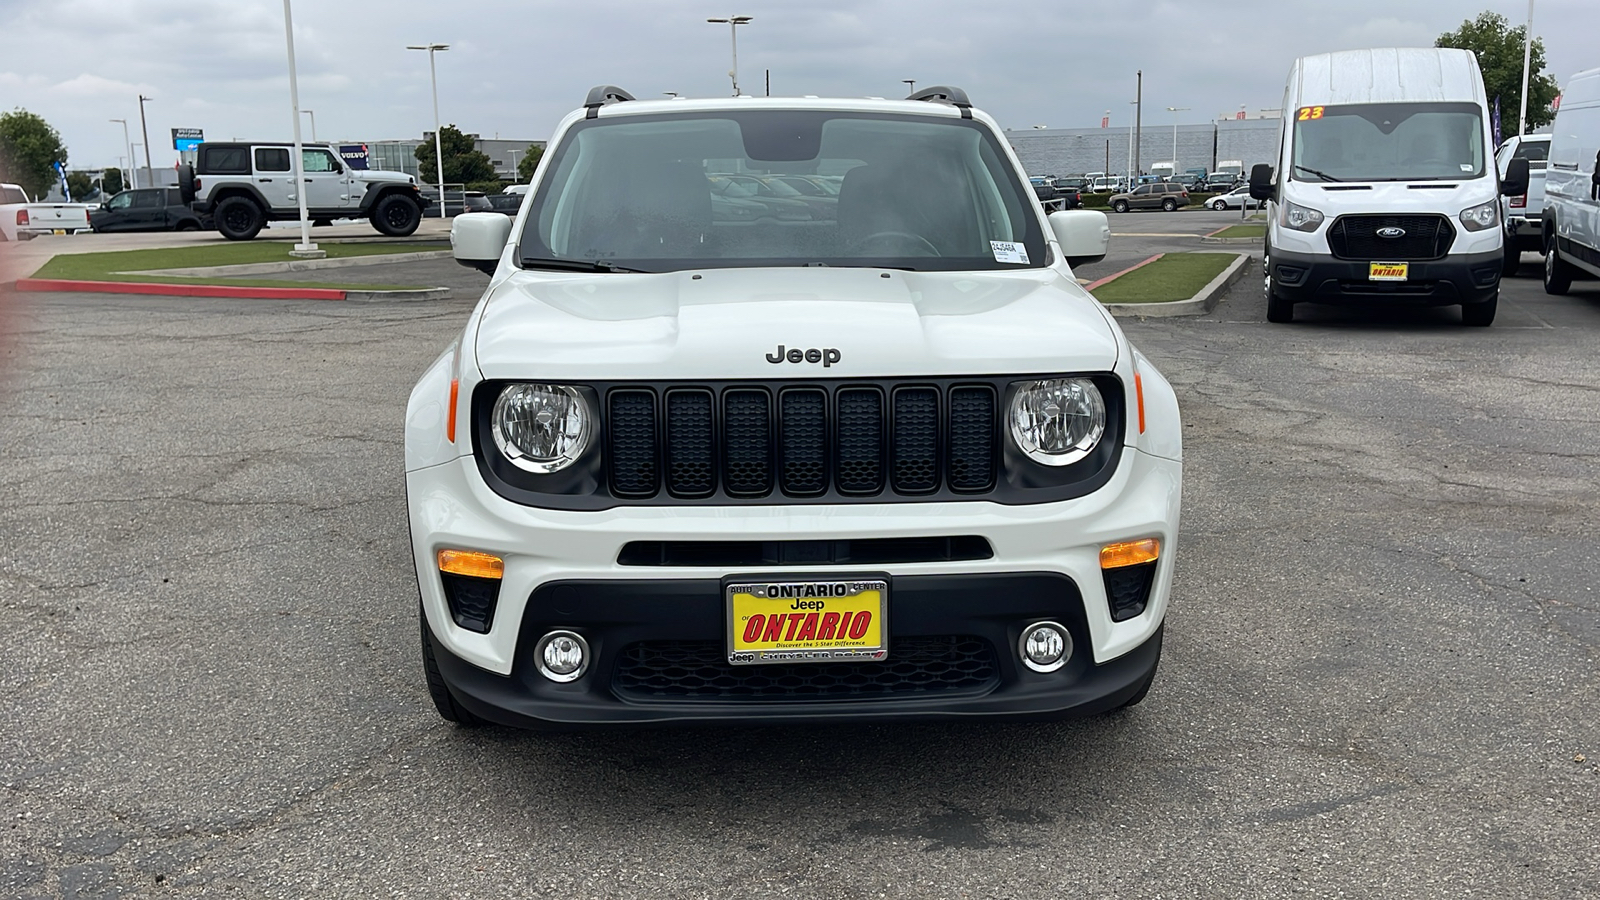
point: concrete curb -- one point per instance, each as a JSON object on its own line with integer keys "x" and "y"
{"x": 438, "y": 293}
{"x": 1244, "y": 240}
{"x": 293, "y": 265}
{"x": 1201, "y": 303}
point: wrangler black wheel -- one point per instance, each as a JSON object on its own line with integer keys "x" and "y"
{"x": 239, "y": 218}
{"x": 397, "y": 215}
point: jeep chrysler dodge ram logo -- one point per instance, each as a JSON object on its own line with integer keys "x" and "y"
{"x": 827, "y": 357}
{"x": 1391, "y": 232}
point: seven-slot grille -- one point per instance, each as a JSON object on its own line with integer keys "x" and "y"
{"x": 801, "y": 441}
{"x": 1356, "y": 237}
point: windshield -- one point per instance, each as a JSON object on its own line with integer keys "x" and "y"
{"x": 1388, "y": 142}
{"x": 671, "y": 192}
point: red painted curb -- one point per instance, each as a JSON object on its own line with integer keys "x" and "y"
{"x": 1094, "y": 284}
{"x": 178, "y": 290}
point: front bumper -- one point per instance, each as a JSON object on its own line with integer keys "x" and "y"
{"x": 1462, "y": 278}
{"x": 562, "y": 570}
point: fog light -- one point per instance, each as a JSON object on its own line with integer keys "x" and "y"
{"x": 1045, "y": 646}
{"x": 563, "y": 656}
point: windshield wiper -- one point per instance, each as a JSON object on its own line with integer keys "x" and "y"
{"x": 1323, "y": 175}
{"x": 576, "y": 265}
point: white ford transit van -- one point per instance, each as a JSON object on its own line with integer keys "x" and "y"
{"x": 1386, "y": 190}
{"x": 1571, "y": 216}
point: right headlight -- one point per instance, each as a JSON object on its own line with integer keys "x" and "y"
{"x": 1059, "y": 421}
{"x": 1300, "y": 218}
{"x": 541, "y": 428}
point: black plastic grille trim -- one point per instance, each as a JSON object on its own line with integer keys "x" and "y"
{"x": 803, "y": 441}
{"x": 633, "y": 443}
{"x": 698, "y": 672}
{"x": 915, "y": 443}
{"x": 1128, "y": 589}
{"x": 860, "y": 446}
{"x": 691, "y": 447}
{"x": 747, "y": 441}
{"x": 972, "y": 438}
{"x": 857, "y": 552}
{"x": 1356, "y": 237}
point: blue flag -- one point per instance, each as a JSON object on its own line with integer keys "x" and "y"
{"x": 1496, "y": 120}
{"x": 61, "y": 172}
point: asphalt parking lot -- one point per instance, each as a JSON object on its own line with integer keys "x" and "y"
{"x": 1379, "y": 678}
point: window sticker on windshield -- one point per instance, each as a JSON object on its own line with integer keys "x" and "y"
{"x": 1466, "y": 167}
{"x": 1009, "y": 252}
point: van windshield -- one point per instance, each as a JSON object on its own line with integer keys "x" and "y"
{"x": 659, "y": 193}
{"x": 1388, "y": 142}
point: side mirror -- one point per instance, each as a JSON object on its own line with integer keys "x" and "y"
{"x": 1084, "y": 235}
{"x": 478, "y": 239}
{"x": 1261, "y": 182}
{"x": 1515, "y": 184}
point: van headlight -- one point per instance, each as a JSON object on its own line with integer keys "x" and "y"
{"x": 1059, "y": 421}
{"x": 1300, "y": 218}
{"x": 1481, "y": 217}
{"x": 541, "y": 428}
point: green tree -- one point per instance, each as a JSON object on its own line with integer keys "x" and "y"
{"x": 29, "y": 150}
{"x": 111, "y": 181}
{"x": 528, "y": 163}
{"x": 81, "y": 184}
{"x": 1499, "y": 50}
{"x": 463, "y": 162}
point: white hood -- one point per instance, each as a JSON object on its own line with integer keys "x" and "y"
{"x": 726, "y": 323}
{"x": 1446, "y": 198}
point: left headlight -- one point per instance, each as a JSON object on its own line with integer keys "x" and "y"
{"x": 541, "y": 428}
{"x": 1482, "y": 216}
{"x": 1058, "y": 422}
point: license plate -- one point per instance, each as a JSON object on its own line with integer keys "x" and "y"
{"x": 58, "y": 231}
{"x": 807, "y": 621}
{"x": 1380, "y": 271}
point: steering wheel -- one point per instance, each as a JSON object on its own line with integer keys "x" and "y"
{"x": 917, "y": 239}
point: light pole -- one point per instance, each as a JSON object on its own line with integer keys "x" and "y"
{"x": 733, "y": 23}
{"x": 911, "y": 85}
{"x": 438, "y": 143}
{"x": 1175, "y": 110}
{"x": 305, "y": 249}
{"x": 127, "y": 142}
{"x": 1527, "y": 51}
{"x": 145, "y": 130}
{"x": 514, "y": 175}
{"x": 313, "y": 114}
{"x": 1130, "y": 149}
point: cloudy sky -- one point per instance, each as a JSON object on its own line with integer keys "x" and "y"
{"x": 516, "y": 66}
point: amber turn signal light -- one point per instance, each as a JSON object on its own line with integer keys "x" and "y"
{"x": 471, "y": 563}
{"x": 1129, "y": 553}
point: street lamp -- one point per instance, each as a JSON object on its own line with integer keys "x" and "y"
{"x": 128, "y": 142}
{"x": 313, "y": 114}
{"x": 911, "y": 85}
{"x": 733, "y": 23}
{"x": 145, "y": 129}
{"x": 513, "y": 163}
{"x": 305, "y": 249}
{"x": 438, "y": 144}
{"x": 1175, "y": 110}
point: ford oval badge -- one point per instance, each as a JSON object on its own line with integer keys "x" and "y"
{"x": 1391, "y": 232}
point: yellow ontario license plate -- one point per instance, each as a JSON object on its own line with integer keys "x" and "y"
{"x": 1381, "y": 271}
{"x": 807, "y": 621}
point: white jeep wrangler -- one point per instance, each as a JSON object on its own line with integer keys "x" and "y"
{"x": 245, "y": 186}
{"x": 863, "y": 453}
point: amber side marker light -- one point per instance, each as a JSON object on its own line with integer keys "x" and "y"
{"x": 1138, "y": 390}
{"x": 1129, "y": 553}
{"x": 471, "y": 563}
{"x": 455, "y": 391}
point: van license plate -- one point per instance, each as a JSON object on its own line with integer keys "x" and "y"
{"x": 1381, "y": 271}
{"x": 807, "y": 621}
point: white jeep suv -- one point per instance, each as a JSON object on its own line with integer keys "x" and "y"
{"x": 694, "y": 462}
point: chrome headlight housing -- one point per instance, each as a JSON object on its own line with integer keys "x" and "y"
{"x": 541, "y": 428}
{"x": 1059, "y": 421}
{"x": 1300, "y": 218}
{"x": 1481, "y": 217}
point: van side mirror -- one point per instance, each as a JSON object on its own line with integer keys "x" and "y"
{"x": 1261, "y": 182}
{"x": 1084, "y": 235}
{"x": 1515, "y": 184}
{"x": 478, "y": 239}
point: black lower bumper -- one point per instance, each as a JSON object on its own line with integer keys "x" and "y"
{"x": 1455, "y": 280}
{"x": 952, "y": 657}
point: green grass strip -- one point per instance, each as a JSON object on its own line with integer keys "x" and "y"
{"x": 1242, "y": 231}
{"x": 124, "y": 265}
{"x": 1175, "y": 276}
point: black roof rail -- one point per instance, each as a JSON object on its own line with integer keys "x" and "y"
{"x": 599, "y": 95}
{"x": 952, "y": 95}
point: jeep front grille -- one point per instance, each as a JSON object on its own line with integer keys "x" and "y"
{"x": 802, "y": 441}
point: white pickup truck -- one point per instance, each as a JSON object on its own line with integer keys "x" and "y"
{"x": 1522, "y": 212}
{"x": 22, "y": 219}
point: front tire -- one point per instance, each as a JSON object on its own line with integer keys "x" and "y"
{"x": 1557, "y": 273}
{"x": 1219, "y": 205}
{"x": 1480, "y": 315}
{"x": 443, "y": 700}
{"x": 1120, "y": 206}
{"x": 1511, "y": 262}
{"x": 397, "y": 215}
{"x": 239, "y": 218}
